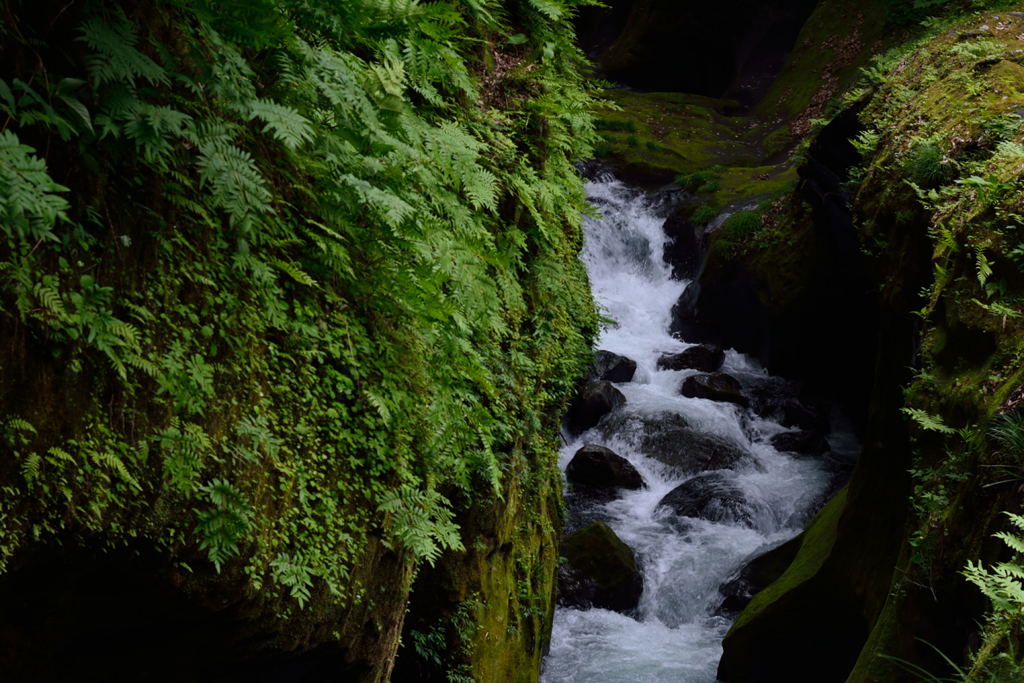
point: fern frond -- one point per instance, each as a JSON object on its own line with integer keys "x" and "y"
{"x": 30, "y": 468}
{"x": 60, "y": 455}
{"x": 286, "y": 124}
{"x": 295, "y": 272}
{"x": 108, "y": 459}
{"x": 929, "y": 422}
{"x": 118, "y": 60}
{"x": 225, "y": 524}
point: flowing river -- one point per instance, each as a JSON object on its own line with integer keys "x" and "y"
{"x": 676, "y": 632}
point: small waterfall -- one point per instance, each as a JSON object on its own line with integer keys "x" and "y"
{"x": 676, "y": 633}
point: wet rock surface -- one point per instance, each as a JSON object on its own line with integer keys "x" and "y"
{"x": 669, "y": 439}
{"x": 595, "y": 400}
{"x": 598, "y": 472}
{"x": 611, "y": 367}
{"x": 757, "y": 575}
{"x": 600, "y": 571}
{"x": 715, "y": 387}
{"x": 711, "y": 496}
{"x": 703, "y": 357}
{"x": 683, "y": 251}
{"x": 810, "y": 443}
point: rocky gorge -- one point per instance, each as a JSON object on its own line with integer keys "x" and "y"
{"x": 511, "y": 341}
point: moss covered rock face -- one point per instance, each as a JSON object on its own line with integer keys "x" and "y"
{"x": 600, "y": 571}
{"x": 286, "y": 289}
{"x": 934, "y": 204}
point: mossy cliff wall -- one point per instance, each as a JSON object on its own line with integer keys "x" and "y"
{"x": 932, "y": 203}
{"x": 290, "y": 306}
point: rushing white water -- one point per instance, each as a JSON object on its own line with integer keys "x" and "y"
{"x": 676, "y": 635}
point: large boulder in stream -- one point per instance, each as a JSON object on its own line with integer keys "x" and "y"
{"x": 716, "y": 387}
{"x": 595, "y": 400}
{"x": 810, "y": 443}
{"x": 668, "y": 438}
{"x": 600, "y": 571}
{"x": 703, "y": 357}
{"x": 684, "y": 315}
{"x": 711, "y": 496}
{"x": 682, "y": 248}
{"x": 612, "y": 367}
{"x": 599, "y": 472}
{"x": 806, "y": 414}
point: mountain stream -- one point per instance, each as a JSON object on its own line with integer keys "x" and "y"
{"x": 675, "y": 633}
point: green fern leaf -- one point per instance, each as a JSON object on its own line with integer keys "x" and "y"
{"x": 30, "y": 468}
{"x": 286, "y": 124}
{"x": 929, "y": 422}
{"x": 224, "y": 524}
{"x": 113, "y": 462}
{"x": 118, "y": 60}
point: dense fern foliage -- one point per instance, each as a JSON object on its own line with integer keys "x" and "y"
{"x": 273, "y": 275}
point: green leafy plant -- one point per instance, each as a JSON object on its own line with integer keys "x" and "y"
{"x": 1002, "y": 585}
{"x": 297, "y": 258}
{"x": 223, "y": 525}
{"x": 926, "y": 165}
{"x": 704, "y": 214}
{"x": 615, "y": 126}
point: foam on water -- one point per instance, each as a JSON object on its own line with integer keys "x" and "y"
{"x": 675, "y": 636}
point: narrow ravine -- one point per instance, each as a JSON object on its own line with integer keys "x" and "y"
{"x": 675, "y": 633}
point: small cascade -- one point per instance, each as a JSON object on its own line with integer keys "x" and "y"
{"x": 764, "y": 496}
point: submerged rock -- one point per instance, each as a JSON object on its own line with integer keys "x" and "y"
{"x": 596, "y": 471}
{"x": 716, "y": 387}
{"x": 594, "y": 401}
{"x": 711, "y": 496}
{"x": 801, "y": 443}
{"x": 769, "y": 395}
{"x": 704, "y": 357}
{"x": 807, "y": 415}
{"x": 757, "y": 575}
{"x": 612, "y": 367}
{"x": 669, "y": 439}
{"x": 600, "y": 571}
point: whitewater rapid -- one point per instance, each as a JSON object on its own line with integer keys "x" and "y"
{"x": 676, "y": 633}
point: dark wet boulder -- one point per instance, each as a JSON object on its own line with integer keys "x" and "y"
{"x": 801, "y": 443}
{"x": 612, "y": 367}
{"x": 712, "y": 496}
{"x": 807, "y": 415}
{"x": 716, "y": 387}
{"x": 596, "y": 471}
{"x": 595, "y": 400}
{"x": 600, "y": 571}
{"x": 668, "y": 438}
{"x": 769, "y": 395}
{"x": 703, "y": 357}
{"x": 684, "y": 315}
{"x": 756, "y": 575}
{"x": 682, "y": 251}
